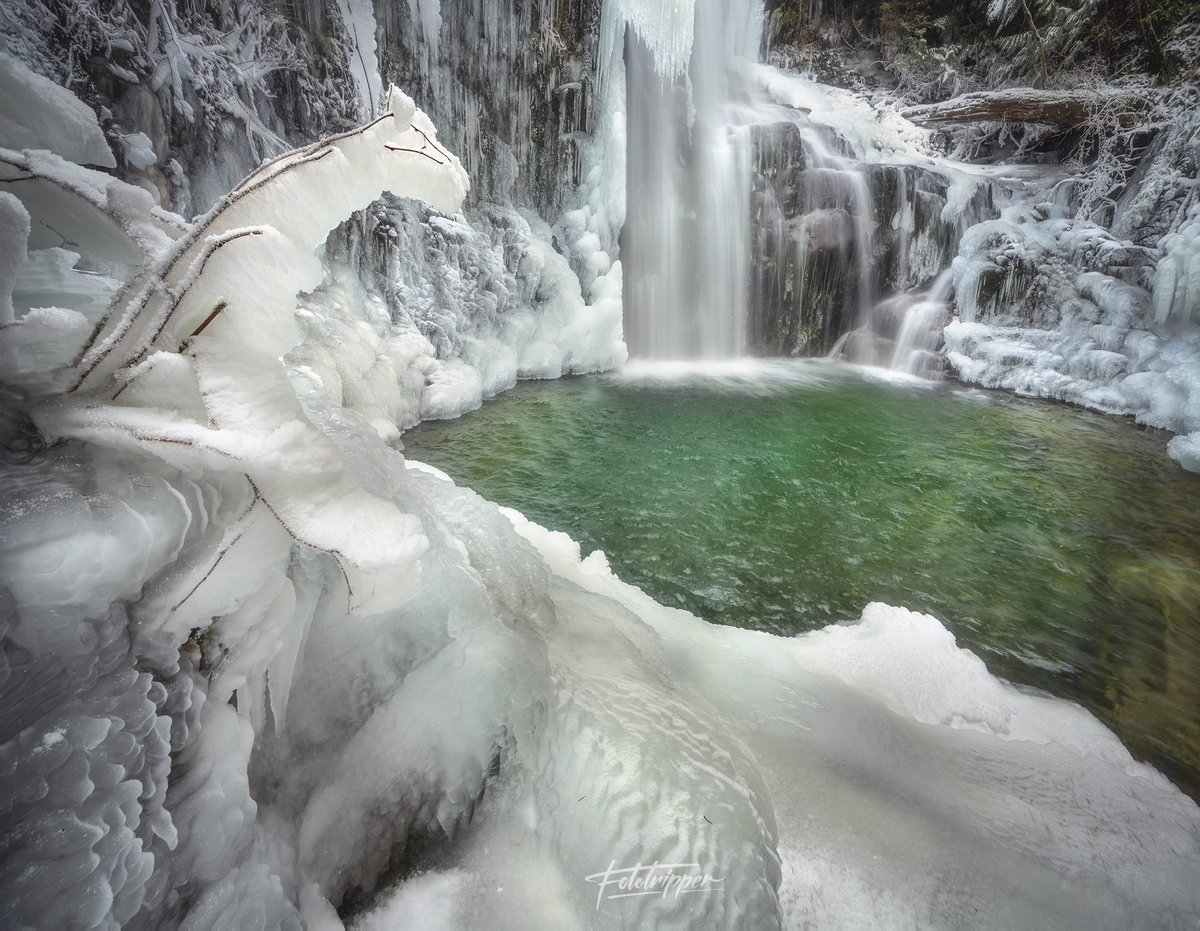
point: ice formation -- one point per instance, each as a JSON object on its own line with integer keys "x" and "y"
{"x": 481, "y": 300}
{"x": 258, "y": 667}
{"x": 37, "y": 113}
{"x": 666, "y": 29}
{"x": 1056, "y": 307}
{"x": 358, "y": 18}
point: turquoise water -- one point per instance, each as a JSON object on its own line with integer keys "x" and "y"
{"x": 1062, "y": 547}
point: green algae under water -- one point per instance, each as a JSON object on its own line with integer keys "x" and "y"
{"x": 1062, "y": 547}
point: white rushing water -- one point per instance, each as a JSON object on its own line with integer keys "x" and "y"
{"x": 688, "y": 191}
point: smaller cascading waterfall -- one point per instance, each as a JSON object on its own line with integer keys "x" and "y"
{"x": 921, "y": 328}
{"x": 688, "y": 186}
{"x": 831, "y": 239}
{"x": 902, "y": 331}
{"x": 850, "y": 204}
{"x": 841, "y": 184}
{"x": 851, "y": 251}
{"x": 814, "y": 273}
{"x": 899, "y": 325}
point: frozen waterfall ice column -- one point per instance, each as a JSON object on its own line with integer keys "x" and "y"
{"x": 358, "y": 17}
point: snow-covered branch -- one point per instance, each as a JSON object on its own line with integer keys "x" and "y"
{"x": 300, "y": 197}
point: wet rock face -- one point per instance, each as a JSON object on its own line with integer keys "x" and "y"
{"x": 829, "y": 240}
{"x": 508, "y": 83}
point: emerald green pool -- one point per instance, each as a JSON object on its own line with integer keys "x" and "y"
{"x": 1062, "y": 547}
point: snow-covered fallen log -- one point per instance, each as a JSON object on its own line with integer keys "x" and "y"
{"x": 1065, "y": 109}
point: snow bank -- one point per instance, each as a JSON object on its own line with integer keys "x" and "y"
{"x": 895, "y": 764}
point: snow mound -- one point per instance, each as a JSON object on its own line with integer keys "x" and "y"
{"x": 36, "y": 113}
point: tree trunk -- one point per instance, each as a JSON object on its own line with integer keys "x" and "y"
{"x": 1064, "y": 109}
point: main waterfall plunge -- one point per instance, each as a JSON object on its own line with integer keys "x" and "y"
{"x": 689, "y": 169}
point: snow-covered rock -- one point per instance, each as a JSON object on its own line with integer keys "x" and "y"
{"x": 1059, "y": 308}
{"x": 36, "y": 113}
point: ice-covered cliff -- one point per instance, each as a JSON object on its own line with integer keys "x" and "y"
{"x": 194, "y": 98}
{"x": 1103, "y": 311}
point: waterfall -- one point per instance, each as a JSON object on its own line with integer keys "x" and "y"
{"x": 767, "y": 213}
{"x": 857, "y": 216}
{"x": 902, "y": 332}
{"x": 688, "y": 185}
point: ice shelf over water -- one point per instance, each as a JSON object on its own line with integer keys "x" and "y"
{"x": 257, "y": 666}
